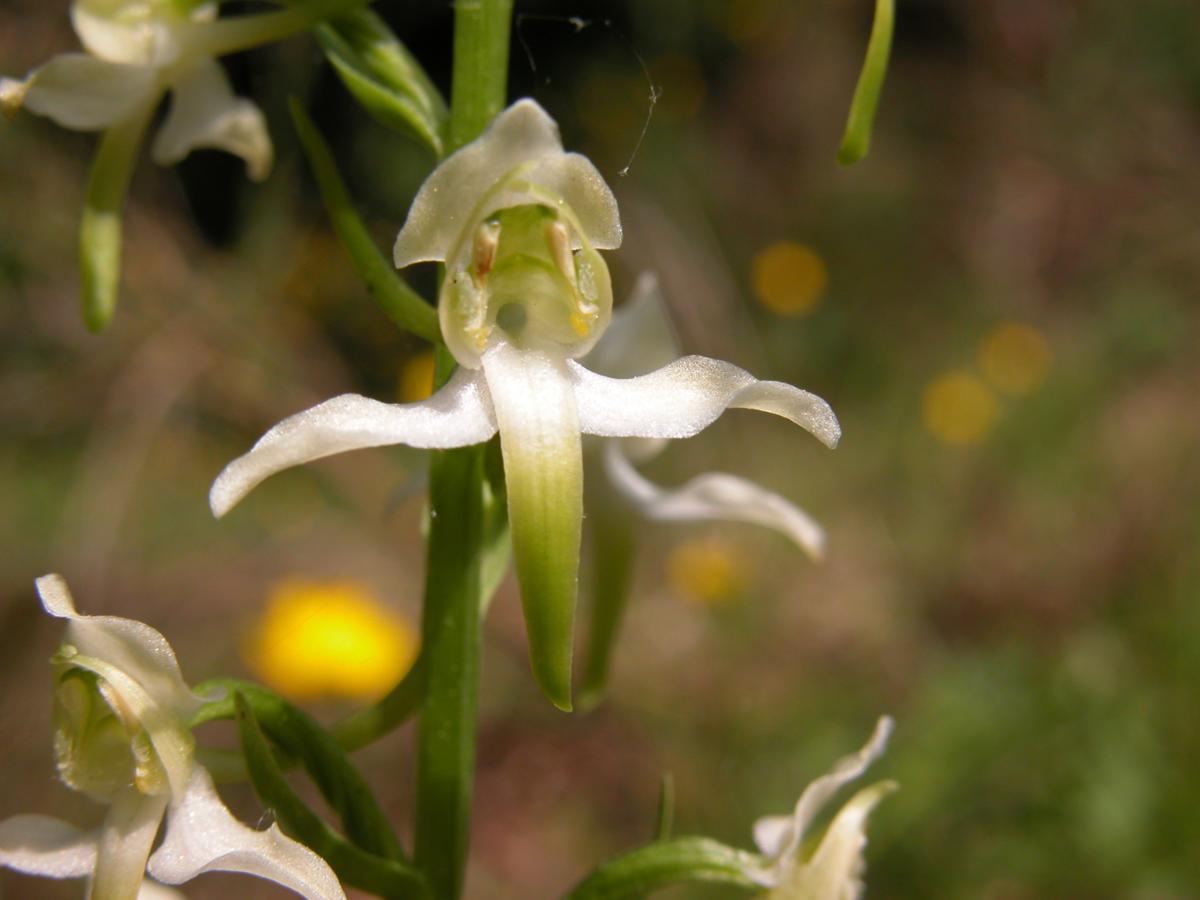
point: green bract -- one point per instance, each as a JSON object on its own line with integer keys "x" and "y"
{"x": 518, "y": 223}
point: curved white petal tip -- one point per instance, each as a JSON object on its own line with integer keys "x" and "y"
{"x": 685, "y": 397}
{"x": 202, "y": 836}
{"x": 460, "y": 413}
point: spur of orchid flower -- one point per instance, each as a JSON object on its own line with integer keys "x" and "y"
{"x": 518, "y": 223}
{"x": 121, "y": 736}
{"x": 832, "y": 871}
{"x": 641, "y": 338}
{"x": 137, "y": 51}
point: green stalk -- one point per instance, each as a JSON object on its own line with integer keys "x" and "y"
{"x": 857, "y": 138}
{"x": 480, "y": 84}
{"x": 237, "y": 33}
{"x": 451, "y": 641}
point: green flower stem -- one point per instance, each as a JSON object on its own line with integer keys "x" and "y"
{"x": 480, "y": 84}
{"x": 856, "y": 140}
{"x": 239, "y": 33}
{"x": 400, "y": 303}
{"x": 451, "y": 641}
{"x": 100, "y": 227}
{"x": 451, "y": 644}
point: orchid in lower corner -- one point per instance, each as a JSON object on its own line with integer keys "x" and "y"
{"x": 518, "y": 223}
{"x": 121, "y": 719}
{"x": 833, "y": 870}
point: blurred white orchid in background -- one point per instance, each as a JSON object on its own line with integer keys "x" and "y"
{"x": 518, "y": 222}
{"x": 640, "y": 339}
{"x": 121, "y": 736}
{"x": 832, "y": 871}
{"x": 137, "y": 50}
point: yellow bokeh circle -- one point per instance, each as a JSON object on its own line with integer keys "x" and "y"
{"x": 1014, "y": 357}
{"x": 707, "y": 571}
{"x": 958, "y": 408}
{"x": 789, "y": 279}
{"x": 416, "y": 378}
{"x": 318, "y": 639}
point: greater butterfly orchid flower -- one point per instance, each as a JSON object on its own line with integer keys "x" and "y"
{"x": 121, "y": 736}
{"x": 518, "y": 224}
{"x": 793, "y": 869}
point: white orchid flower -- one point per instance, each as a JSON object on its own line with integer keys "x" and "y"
{"x": 121, "y": 711}
{"x": 640, "y": 339}
{"x": 833, "y": 871}
{"x": 518, "y": 223}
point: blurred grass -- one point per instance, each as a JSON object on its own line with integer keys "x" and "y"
{"x": 1025, "y": 605}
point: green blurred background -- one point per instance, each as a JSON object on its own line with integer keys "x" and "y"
{"x": 1000, "y": 303}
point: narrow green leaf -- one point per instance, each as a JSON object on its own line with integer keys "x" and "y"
{"x": 388, "y": 713}
{"x": 666, "y": 806}
{"x": 401, "y": 303}
{"x": 100, "y": 227}
{"x": 685, "y": 860}
{"x": 311, "y": 746}
{"x": 384, "y": 77}
{"x": 353, "y": 865}
{"x": 857, "y": 139}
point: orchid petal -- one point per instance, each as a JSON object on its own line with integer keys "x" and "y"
{"x": 84, "y": 93}
{"x": 206, "y": 113}
{"x": 521, "y": 135}
{"x": 543, "y": 467}
{"x": 127, "y": 645}
{"x": 835, "y": 870}
{"x": 125, "y": 840}
{"x": 41, "y": 845}
{"x": 772, "y": 834}
{"x": 460, "y": 413}
{"x": 146, "y": 39}
{"x": 203, "y": 837}
{"x": 683, "y": 398}
{"x": 714, "y": 496}
{"x": 780, "y": 839}
{"x": 640, "y": 338}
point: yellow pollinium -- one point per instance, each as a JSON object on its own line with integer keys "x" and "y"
{"x": 329, "y": 639}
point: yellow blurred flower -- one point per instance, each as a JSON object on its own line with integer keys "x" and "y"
{"x": 1014, "y": 357}
{"x": 329, "y": 639}
{"x": 958, "y": 408}
{"x": 416, "y": 378}
{"x": 789, "y": 279}
{"x": 707, "y": 571}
